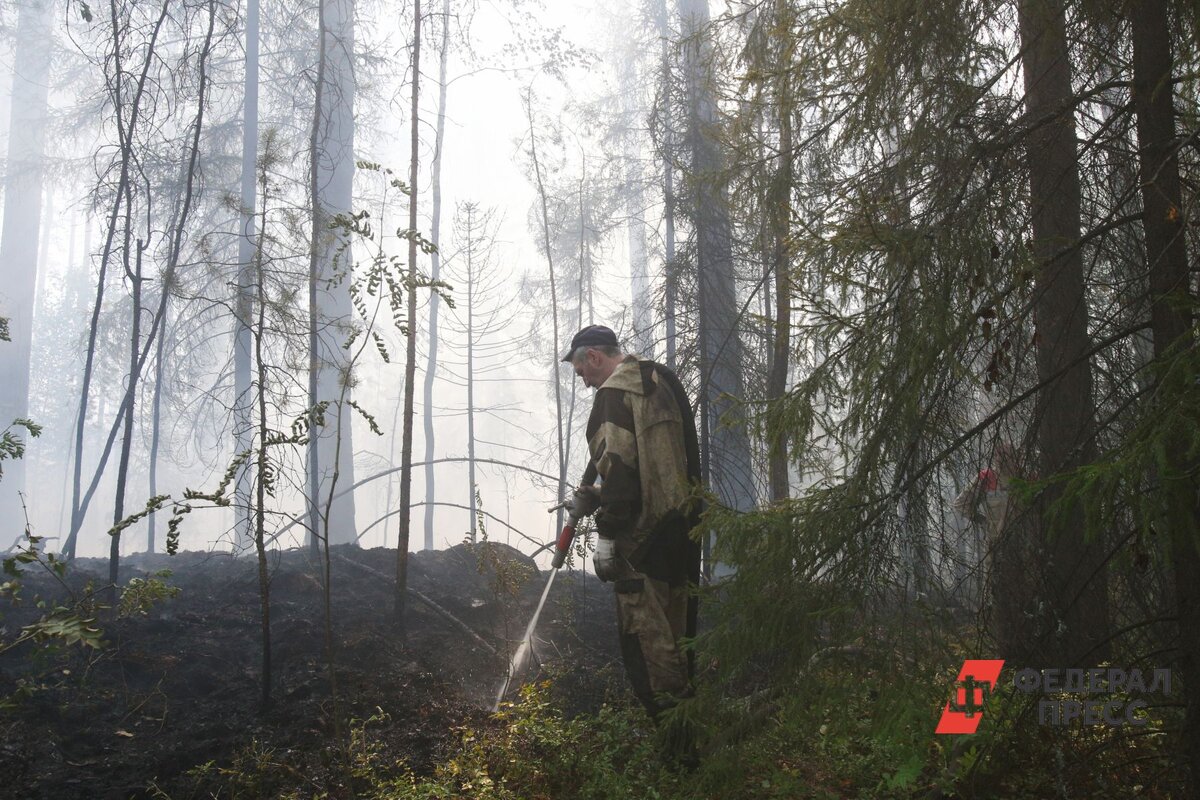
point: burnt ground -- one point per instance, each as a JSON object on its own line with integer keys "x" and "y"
{"x": 180, "y": 687}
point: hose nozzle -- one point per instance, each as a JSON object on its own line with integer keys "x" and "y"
{"x": 563, "y": 545}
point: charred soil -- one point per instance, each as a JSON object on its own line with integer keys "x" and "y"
{"x": 180, "y": 687}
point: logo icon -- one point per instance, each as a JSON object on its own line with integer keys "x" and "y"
{"x": 964, "y": 709}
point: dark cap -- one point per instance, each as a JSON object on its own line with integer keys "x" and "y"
{"x": 592, "y": 336}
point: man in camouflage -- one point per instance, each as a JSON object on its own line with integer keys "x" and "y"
{"x": 642, "y": 439}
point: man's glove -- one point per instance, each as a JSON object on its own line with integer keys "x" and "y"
{"x": 585, "y": 501}
{"x": 605, "y": 559}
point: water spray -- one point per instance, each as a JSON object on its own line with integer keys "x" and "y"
{"x": 517, "y": 663}
{"x": 562, "y": 547}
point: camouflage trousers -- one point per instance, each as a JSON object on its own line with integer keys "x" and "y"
{"x": 651, "y": 617}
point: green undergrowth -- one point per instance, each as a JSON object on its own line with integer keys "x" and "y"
{"x": 532, "y": 751}
{"x": 842, "y": 733}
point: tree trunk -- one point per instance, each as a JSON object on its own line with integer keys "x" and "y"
{"x": 471, "y": 482}
{"x": 583, "y": 290}
{"x": 334, "y": 166}
{"x": 558, "y": 406}
{"x": 410, "y": 361}
{"x": 670, "y": 284}
{"x": 72, "y": 270}
{"x": 671, "y": 288}
{"x": 1171, "y": 323}
{"x": 585, "y": 276}
{"x": 22, "y": 221}
{"x": 435, "y": 265}
{"x": 156, "y": 426}
{"x": 262, "y": 469}
{"x": 138, "y": 354}
{"x": 126, "y": 127}
{"x": 781, "y": 218}
{"x": 247, "y": 235}
{"x": 391, "y": 450}
{"x": 176, "y": 249}
{"x": 1075, "y": 629}
{"x": 635, "y": 204}
{"x": 331, "y": 149}
{"x": 725, "y": 443}
{"x": 135, "y": 341}
{"x": 36, "y": 449}
{"x": 313, "y": 452}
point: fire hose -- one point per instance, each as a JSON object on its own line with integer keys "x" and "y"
{"x": 566, "y": 536}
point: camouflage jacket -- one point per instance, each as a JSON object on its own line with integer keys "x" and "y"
{"x": 642, "y": 439}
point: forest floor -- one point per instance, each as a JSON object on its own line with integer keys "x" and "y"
{"x": 179, "y": 687}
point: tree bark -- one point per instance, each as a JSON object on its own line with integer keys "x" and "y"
{"x": 1171, "y": 322}
{"x": 1074, "y": 630}
{"x": 781, "y": 218}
